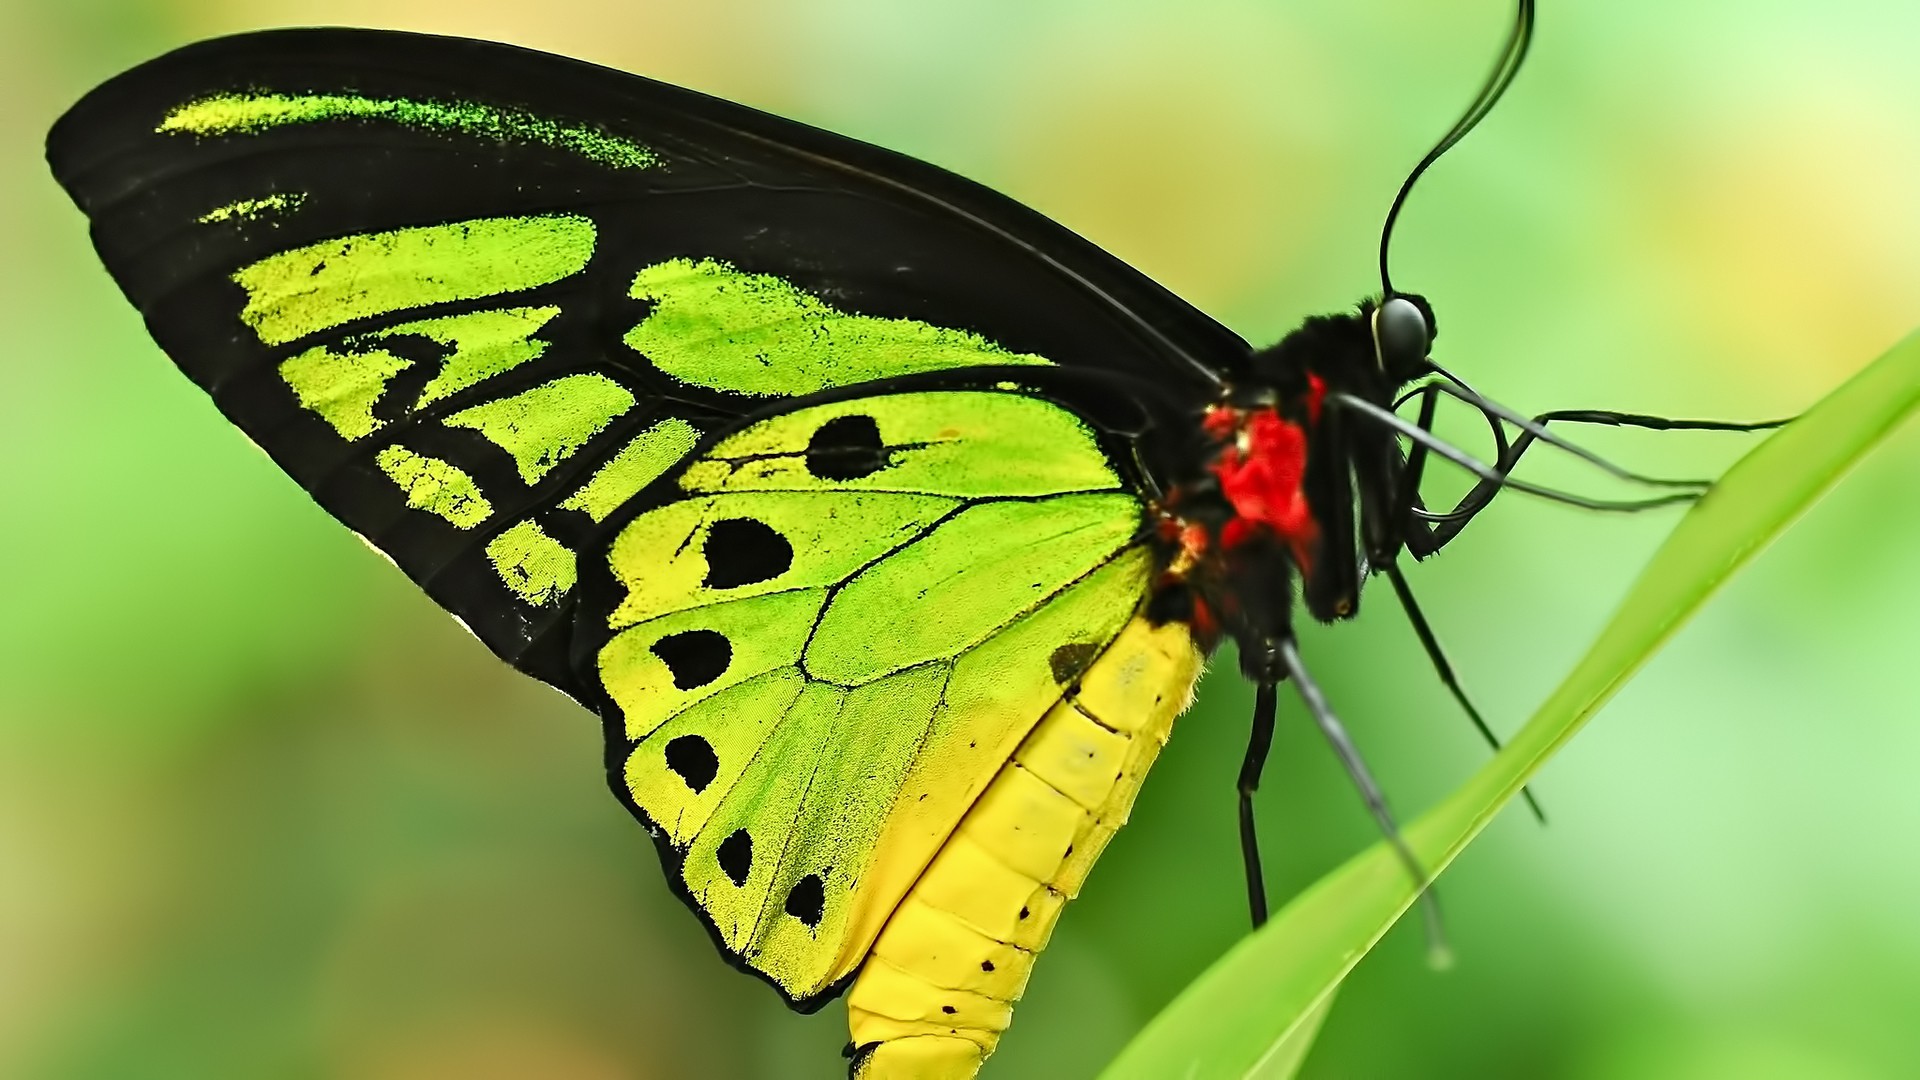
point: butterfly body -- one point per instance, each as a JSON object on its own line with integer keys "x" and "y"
{"x": 883, "y": 522}
{"x": 1264, "y": 514}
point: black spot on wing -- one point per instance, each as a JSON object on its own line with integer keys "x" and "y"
{"x": 692, "y": 759}
{"x": 736, "y": 856}
{"x": 807, "y": 900}
{"x": 694, "y": 657}
{"x": 846, "y": 448}
{"x": 742, "y": 551}
{"x": 1069, "y": 660}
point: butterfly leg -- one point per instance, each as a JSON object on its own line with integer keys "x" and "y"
{"x": 1287, "y": 655}
{"x": 1387, "y": 529}
{"x": 1259, "y": 741}
{"x": 1438, "y": 658}
{"x": 1407, "y": 530}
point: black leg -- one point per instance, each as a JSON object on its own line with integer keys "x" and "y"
{"x": 1409, "y": 529}
{"x": 1444, "y": 669}
{"x": 1288, "y": 656}
{"x": 1259, "y": 741}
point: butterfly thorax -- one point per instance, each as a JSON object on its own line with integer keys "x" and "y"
{"x": 1293, "y": 493}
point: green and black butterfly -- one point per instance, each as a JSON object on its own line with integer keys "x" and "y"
{"x": 883, "y": 521}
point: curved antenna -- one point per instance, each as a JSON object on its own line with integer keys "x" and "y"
{"x": 1511, "y": 56}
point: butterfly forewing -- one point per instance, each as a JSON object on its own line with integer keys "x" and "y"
{"x": 473, "y": 297}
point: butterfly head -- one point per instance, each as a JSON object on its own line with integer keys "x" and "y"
{"x": 1371, "y": 353}
{"x": 1402, "y": 328}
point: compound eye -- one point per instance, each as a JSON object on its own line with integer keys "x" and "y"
{"x": 1401, "y": 336}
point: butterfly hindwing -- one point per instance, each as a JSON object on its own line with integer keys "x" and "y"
{"x": 831, "y": 632}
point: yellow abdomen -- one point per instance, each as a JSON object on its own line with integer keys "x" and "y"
{"x": 939, "y": 985}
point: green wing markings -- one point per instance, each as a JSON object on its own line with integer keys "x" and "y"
{"x": 535, "y": 566}
{"x": 543, "y": 426}
{"x": 296, "y": 293}
{"x": 341, "y": 387}
{"x": 973, "y": 575}
{"x": 484, "y": 344}
{"x": 687, "y": 554}
{"x": 733, "y": 723}
{"x": 253, "y": 113}
{"x": 649, "y": 668}
{"x": 252, "y": 209}
{"x": 833, "y": 665}
{"x": 717, "y": 327}
{"x": 341, "y": 384}
{"x": 645, "y": 458}
{"x": 436, "y": 486}
{"x": 710, "y": 325}
{"x": 308, "y": 289}
{"x": 798, "y": 802}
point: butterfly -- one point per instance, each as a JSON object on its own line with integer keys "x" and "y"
{"x": 884, "y": 523}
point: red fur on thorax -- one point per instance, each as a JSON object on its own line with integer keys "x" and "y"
{"x": 1262, "y": 484}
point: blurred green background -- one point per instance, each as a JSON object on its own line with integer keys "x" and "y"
{"x": 266, "y": 812}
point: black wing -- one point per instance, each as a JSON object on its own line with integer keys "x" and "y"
{"x": 415, "y": 270}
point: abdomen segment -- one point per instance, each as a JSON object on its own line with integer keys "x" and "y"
{"x": 939, "y": 985}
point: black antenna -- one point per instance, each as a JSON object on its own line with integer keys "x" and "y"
{"x": 1511, "y": 56}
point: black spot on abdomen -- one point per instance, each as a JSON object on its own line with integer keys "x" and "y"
{"x": 807, "y": 900}
{"x": 1069, "y": 660}
{"x": 742, "y": 551}
{"x": 846, "y": 448}
{"x": 692, "y": 759}
{"x": 695, "y": 657}
{"x": 736, "y": 856}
